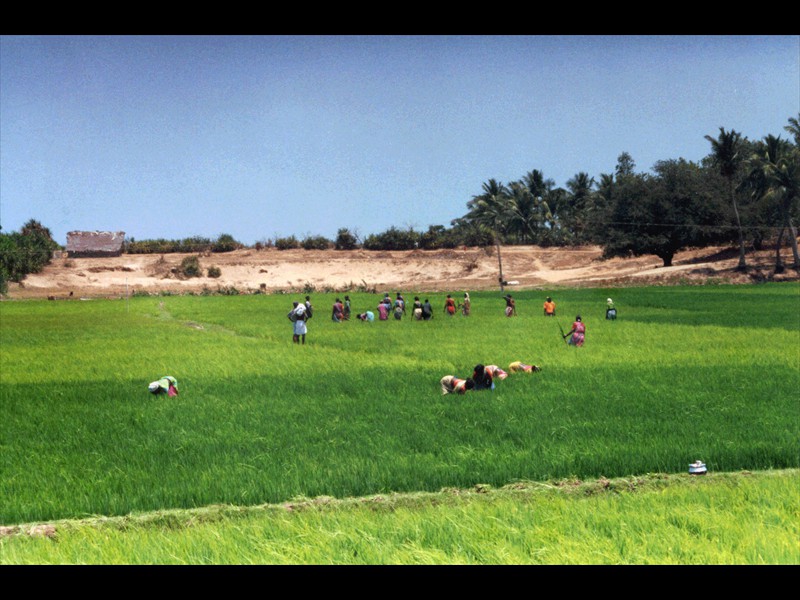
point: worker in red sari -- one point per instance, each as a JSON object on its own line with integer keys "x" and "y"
{"x": 578, "y": 332}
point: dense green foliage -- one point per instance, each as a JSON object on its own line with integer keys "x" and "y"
{"x": 663, "y": 214}
{"x": 742, "y": 191}
{"x": 392, "y": 239}
{"x": 705, "y": 372}
{"x": 346, "y": 240}
{"x": 287, "y": 243}
{"x": 316, "y": 242}
{"x": 196, "y": 244}
{"x": 23, "y": 252}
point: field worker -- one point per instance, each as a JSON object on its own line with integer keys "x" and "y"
{"x": 549, "y": 307}
{"x": 450, "y": 306}
{"x": 368, "y": 316}
{"x": 337, "y": 313}
{"x": 578, "y": 332}
{"x": 292, "y": 316}
{"x": 482, "y": 378}
{"x": 485, "y": 376}
{"x": 309, "y": 308}
{"x": 465, "y": 308}
{"x": 520, "y": 367}
{"x": 511, "y": 306}
{"x": 166, "y": 385}
{"x": 399, "y": 307}
{"x": 417, "y": 310}
{"x": 496, "y": 372}
{"x": 427, "y": 311}
{"x": 346, "y": 308}
{"x": 383, "y": 311}
{"x": 453, "y": 385}
{"x": 298, "y": 315}
{"x": 611, "y": 311}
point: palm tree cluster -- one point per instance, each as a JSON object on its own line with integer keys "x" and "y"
{"x": 743, "y": 192}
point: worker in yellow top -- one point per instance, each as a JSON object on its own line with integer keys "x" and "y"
{"x": 520, "y": 367}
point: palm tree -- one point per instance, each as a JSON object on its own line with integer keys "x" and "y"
{"x": 727, "y": 153}
{"x": 794, "y": 128}
{"x": 491, "y": 209}
{"x": 776, "y": 173}
{"x": 580, "y": 187}
{"x": 541, "y": 190}
{"x": 523, "y": 212}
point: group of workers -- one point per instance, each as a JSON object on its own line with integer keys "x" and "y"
{"x": 420, "y": 310}
{"x": 483, "y": 377}
{"x": 423, "y": 311}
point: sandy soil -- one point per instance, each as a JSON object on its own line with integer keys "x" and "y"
{"x": 271, "y": 270}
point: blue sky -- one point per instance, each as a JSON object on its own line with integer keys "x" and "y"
{"x": 265, "y": 136}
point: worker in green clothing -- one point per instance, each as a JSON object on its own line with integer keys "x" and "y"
{"x": 166, "y": 385}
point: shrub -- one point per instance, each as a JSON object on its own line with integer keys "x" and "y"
{"x": 393, "y": 239}
{"x": 190, "y": 267}
{"x": 23, "y": 252}
{"x": 214, "y": 272}
{"x": 226, "y": 243}
{"x": 193, "y": 244}
{"x": 345, "y": 240}
{"x": 316, "y": 242}
{"x": 288, "y": 243}
{"x": 399, "y": 239}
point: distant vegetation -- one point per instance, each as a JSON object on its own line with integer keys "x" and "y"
{"x": 23, "y": 252}
{"x": 223, "y": 243}
{"x": 743, "y": 192}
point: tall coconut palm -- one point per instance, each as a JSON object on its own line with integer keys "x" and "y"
{"x": 776, "y": 171}
{"x": 541, "y": 190}
{"x": 580, "y": 187}
{"x": 491, "y": 209}
{"x": 794, "y": 128}
{"x": 726, "y": 150}
{"x": 523, "y": 212}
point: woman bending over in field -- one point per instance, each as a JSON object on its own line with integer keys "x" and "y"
{"x": 453, "y": 385}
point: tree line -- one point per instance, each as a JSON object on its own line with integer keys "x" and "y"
{"x": 742, "y": 192}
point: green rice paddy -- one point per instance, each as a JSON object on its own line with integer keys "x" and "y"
{"x": 684, "y": 373}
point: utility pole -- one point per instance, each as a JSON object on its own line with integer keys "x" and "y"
{"x": 499, "y": 262}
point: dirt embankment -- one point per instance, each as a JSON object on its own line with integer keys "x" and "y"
{"x": 271, "y": 270}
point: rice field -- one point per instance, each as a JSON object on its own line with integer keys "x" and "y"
{"x": 684, "y": 373}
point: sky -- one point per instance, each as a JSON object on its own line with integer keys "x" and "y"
{"x": 261, "y": 137}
